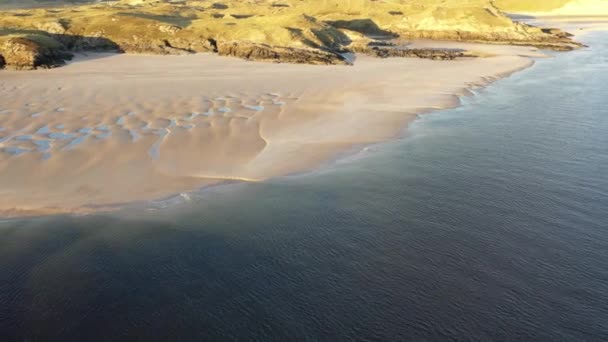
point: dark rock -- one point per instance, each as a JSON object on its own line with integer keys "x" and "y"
{"x": 24, "y": 54}
{"x": 547, "y": 40}
{"x": 263, "y": 52}
{"x": 434, "y": 54}
{"x": 241, "y": 16}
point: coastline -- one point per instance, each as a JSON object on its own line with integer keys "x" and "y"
{"x": 296, "y": 119}
{"x": 138, "y": 128}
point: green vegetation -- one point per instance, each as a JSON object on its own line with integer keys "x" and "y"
{"x": 155, "y": 26}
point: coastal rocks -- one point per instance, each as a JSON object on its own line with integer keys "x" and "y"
{"x": 557, "y": 32}
{"x": 23, "y": 54}
{"x": 542, "y": 40}
{"x": 387, "y": 49}
{"x": 434, "y": 54}
{"x": 156, "y": 46}
{"x": 194, "y": 44}
{"x": 263, "y": 52}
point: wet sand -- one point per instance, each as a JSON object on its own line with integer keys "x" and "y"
{"x": 112, "y": 129}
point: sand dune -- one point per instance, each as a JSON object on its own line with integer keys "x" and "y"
{"x": 113, "y": 129}
{"x": 582, "y": 8}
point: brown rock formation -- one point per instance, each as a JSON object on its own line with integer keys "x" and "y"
{"x": 23, "y": 54}
{"x": 434, "y": 54}
{"x": 263, "y": 52}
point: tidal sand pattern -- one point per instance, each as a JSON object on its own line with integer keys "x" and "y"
{"x": 112, "y": 129}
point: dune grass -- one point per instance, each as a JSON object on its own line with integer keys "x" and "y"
{"x": 292, "y": 23}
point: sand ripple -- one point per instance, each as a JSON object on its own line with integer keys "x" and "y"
{"x": 75, "y": 139}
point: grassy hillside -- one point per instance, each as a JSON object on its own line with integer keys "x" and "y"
{"x": 163, "y": 26}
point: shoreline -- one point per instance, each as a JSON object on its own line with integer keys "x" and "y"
{"x": 313, "y": 149}
{"x": 293, "y": 138}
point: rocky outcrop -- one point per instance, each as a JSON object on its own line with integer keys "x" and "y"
{"x": 169, "y": 46}
{"x": 23, "y": 54}
{"x": 387, "y": 49}
{"x": 434, "y": 54}
{"x": 549, "y": 40}
{"x": 263, "y": 52}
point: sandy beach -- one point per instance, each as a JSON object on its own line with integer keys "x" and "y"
{"x": 112, "y": 129}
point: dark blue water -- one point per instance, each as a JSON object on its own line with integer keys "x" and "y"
{"x": 487, "y": 222}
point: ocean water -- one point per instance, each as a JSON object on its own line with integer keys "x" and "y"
{"x": 484, "y": 222}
